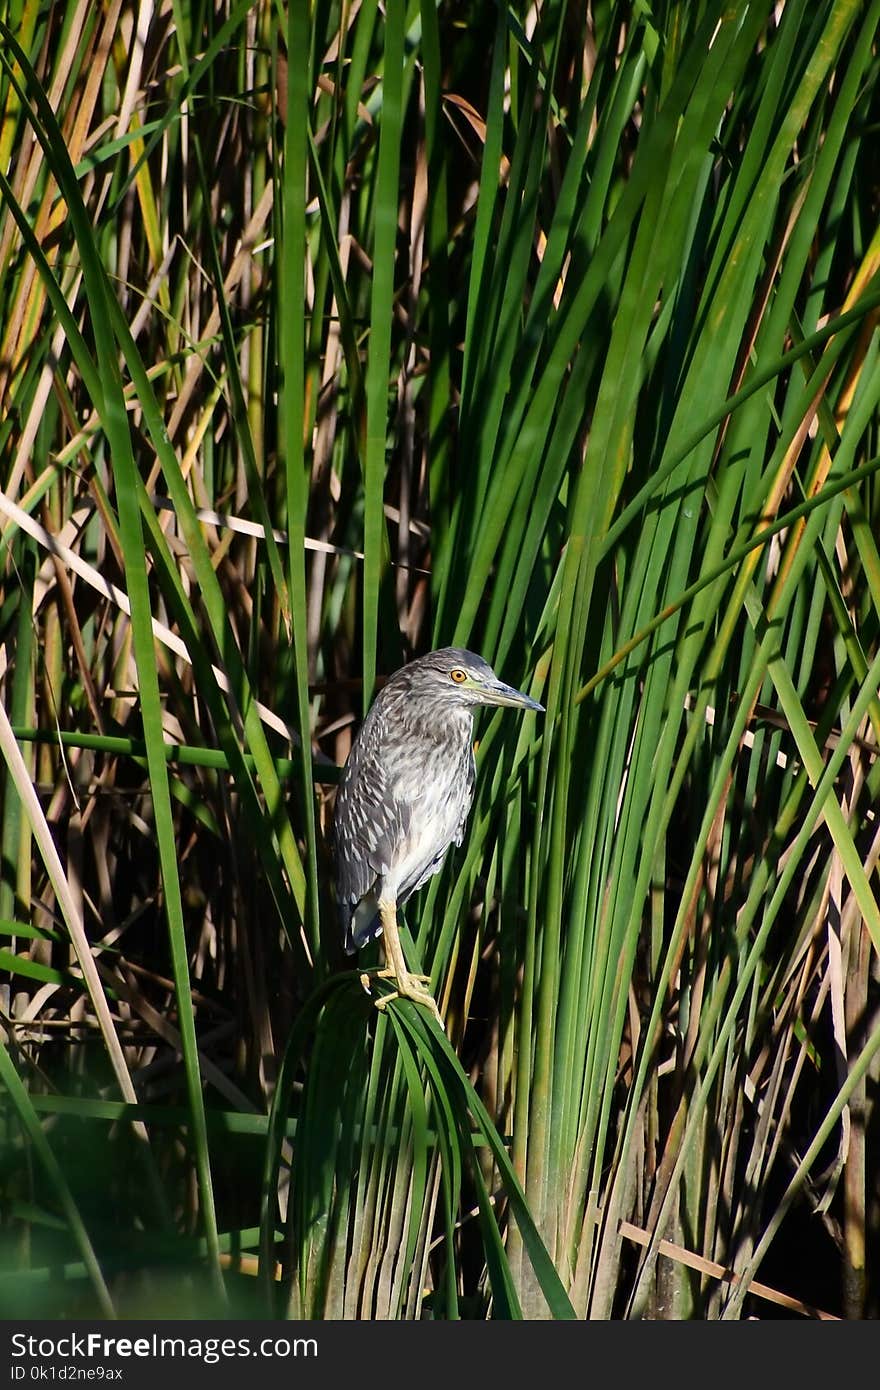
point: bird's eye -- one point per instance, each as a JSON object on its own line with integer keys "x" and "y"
{"x": 458, "y": 675}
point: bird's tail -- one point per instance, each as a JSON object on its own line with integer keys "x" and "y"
{"x": 362, "y": 925}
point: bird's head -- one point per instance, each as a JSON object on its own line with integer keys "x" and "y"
{"x": 456, "y": 679}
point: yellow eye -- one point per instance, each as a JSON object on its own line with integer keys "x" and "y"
{"x": 458, "y": 676}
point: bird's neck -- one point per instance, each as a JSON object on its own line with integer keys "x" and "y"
{"x": 456, "y": 725}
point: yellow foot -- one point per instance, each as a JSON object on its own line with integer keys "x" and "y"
{"x": 409, "y": 987}
{"x": 366, "y": 978}
{"x": 392, "y": 975}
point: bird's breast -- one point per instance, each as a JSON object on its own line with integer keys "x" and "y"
{"x": 436, "y": 784}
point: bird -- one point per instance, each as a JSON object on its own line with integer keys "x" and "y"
{"x": 404, "y": 797}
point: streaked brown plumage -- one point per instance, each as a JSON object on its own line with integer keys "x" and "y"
{"x": 406, "y": 792}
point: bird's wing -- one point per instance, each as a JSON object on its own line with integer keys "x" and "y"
{"x": 370, "y": 822}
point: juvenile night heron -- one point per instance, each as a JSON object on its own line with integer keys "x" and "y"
{"x": 405, "y": 794}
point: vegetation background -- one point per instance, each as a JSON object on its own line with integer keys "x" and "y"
{"x": 333, "y": 333}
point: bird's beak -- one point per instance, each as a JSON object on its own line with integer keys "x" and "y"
{"x": 497, "y": 693}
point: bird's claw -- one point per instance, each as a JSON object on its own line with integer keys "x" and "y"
{"x": 409, "y": 987}
{"x": 392, "y": 975}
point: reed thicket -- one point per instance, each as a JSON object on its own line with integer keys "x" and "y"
{"x": 330, "y": 336}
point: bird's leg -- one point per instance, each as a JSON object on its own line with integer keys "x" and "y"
{"x": 409, "y": 986}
